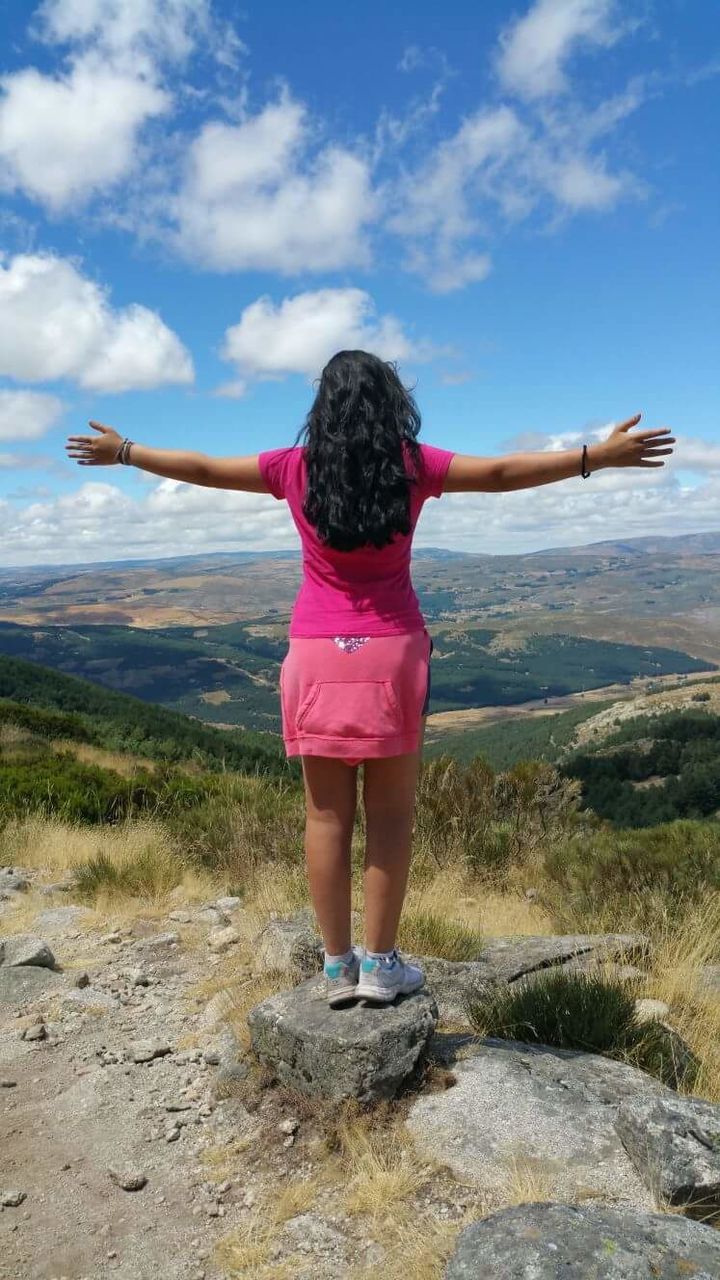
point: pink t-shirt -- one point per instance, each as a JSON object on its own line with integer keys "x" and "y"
{"x": 365, "y": 592}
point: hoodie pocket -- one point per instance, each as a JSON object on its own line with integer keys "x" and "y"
{"x": 350, "y": 709}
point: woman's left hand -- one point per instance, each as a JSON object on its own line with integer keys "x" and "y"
{"x": 95, "y": 451}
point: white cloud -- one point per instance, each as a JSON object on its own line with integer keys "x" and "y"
{"x": 257, "y": 196}
{"x": 63, "y": 138}
{"x": 27, "y": 415}
{"x": 299, "y": 334}
{"x": 84, "y": 524}
{"x": 68, "y": 136}
{"x": 535, "y": 48}
{"x": 56, "y": 323}
{"x": 162, "y": 28}
{"x": 578, "y": 182}
{"x": 496, "y": 170}
{"x": 534, "y": 154}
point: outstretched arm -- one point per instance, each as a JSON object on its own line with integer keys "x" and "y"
{"x": 468, "y": 474}
{"x": 174, "y": 464}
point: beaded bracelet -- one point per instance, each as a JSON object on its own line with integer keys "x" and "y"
{"x": 123, "y": 453}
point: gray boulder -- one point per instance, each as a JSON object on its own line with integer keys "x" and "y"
{"x": 61, "y": 919}
{"x": 535, "y": 1107}
{"x": 26, "y": 949}
{"x": 574, "y": 1242}
{"x": 229, "y": 903}
{"x": 289, "y": 946}
{"x": 674, "y": 1143}
{"x": 13, "y": 880}
{"x": 453, "y": 983}
{"x": 19, "y": 985}
{"x": 358, "y": 1051}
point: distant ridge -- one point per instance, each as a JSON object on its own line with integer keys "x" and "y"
{"x": 654, "y": 544}
{"x": 700, "y": 543}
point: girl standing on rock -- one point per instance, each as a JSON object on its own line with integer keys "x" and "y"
{"x": 355, "y": 683}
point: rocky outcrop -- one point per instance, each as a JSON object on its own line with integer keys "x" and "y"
{"x": 26, "y": 949}
{"x": 574, "y": 1242}
{"x": 552, "y": 1109}
{"x": 289, "y": 946}
{"x": 359, "y": 1051}
{"x": 12, "y": 880}
{"x": 674, "y": 1143}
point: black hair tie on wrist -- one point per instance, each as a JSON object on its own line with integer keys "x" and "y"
{"x": 583, "y": 466}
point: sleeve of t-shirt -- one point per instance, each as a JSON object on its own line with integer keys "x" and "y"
{"x": 433, "y": 470}
{"x": 276, "y": 469}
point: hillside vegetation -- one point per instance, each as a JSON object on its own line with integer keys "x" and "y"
{"x": 52, "y": 705}
{"x": 228, "y": 674}
{"x": 653, "y": 769}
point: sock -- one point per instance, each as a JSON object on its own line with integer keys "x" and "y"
{"x": 386, "y": 956}
{"x": 344, "y": 959}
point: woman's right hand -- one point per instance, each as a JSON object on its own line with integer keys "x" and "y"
{"x": 621, "y": 449}
{"x": 95, "y": 451}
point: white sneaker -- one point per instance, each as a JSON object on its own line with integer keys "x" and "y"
{"x": 382, "y": 980}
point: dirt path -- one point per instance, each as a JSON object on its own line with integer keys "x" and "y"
{"x": 125, "y": 1086}
{"x": 118, "y": 1085}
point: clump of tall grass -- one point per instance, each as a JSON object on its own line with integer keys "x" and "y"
{"x": 431, "y": 934}
{"x": 581, "y": 1011}
{"x": 246, "y": 823}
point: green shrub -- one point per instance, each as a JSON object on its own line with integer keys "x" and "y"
{"x": 241, "y": 825}
{"x": 143, "y": 876}
{"x": 586, "y": 1012}
{"x": 35, "y": 779}
{"x": 45, "y": 723}
{"x": 569, "y": 1010}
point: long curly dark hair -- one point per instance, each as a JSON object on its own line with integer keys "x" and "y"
{"x": 360, "y": 435}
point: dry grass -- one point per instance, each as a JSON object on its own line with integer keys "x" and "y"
{"x": 246, "y": 1252}
{"x": 276, "y": 889}
{"x": 245, "y": 994}
{"x": 222, "y": 1162}
{"x": 149, "y": 879}
{"x": 527, "y": 1181}
{"x": 679, "y": 953}
{"x": 420, "y": 1250}
{"x": 121, "y": 762}
{"x": 483, "y": 906}
{"x": 381, "y": 1170}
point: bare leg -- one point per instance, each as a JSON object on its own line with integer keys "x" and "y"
{"x": 331, "y": 798}
{"x": 389, "y": 796}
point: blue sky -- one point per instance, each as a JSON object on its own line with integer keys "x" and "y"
{"x": 200, "y": 205}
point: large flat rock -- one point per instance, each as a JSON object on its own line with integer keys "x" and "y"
{"x": 508, "y": 959}
{"x": 503, "y": 961}
{"x": 579, "y": 1242}
{"x": 357, "y": 1051}
{"x": 553, "y": 1109}
{"x": 674, "y": 1143}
